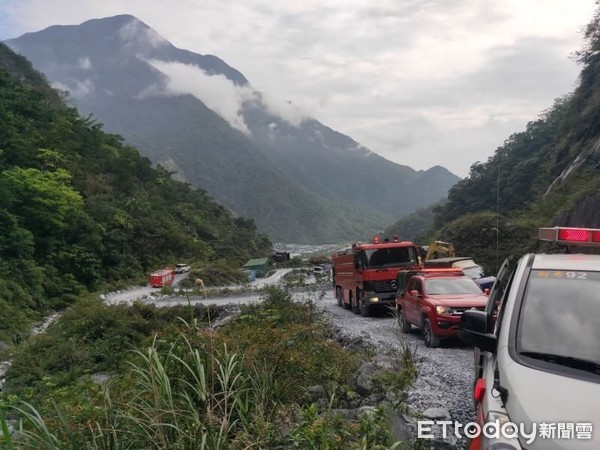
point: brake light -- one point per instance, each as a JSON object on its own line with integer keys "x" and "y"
{"x": 574, "y": 236}
{"x": 479, "y": 390}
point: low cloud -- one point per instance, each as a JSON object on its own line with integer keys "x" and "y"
{"x": 84, "y": 63}
{"x": 218, "y": 93}
{"x": 215, "y": 91}
{"x": 283, "y": 109}
{"x": 78, "y": 88}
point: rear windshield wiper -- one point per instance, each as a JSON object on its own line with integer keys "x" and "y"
{"x": 569, "y": 361}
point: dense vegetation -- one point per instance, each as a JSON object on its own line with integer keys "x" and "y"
{"x": 187, "y": 386}
{"x": 79, "y": 209}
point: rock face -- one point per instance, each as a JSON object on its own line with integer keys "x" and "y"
{"x": 585, "y": 215}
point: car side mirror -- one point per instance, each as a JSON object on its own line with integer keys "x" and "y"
{"x": 487, "y": 291}
{"x": 473, "y": 330}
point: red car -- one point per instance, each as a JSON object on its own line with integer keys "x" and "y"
{"x": 434, "y": 300}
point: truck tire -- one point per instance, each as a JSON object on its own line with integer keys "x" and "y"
{"x": 339, "y": 297}
{"x": 365, "y": 308}
{"x": 405, "y": 325}
{"x": 431, "y": 340}
{"x": 354, "y": 304}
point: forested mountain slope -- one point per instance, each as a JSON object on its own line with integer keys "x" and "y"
{"x": 78, "y": 208}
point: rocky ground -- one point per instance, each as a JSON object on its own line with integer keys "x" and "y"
{"x": 443, "y": 389}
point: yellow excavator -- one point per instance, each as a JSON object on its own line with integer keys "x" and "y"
{"x": 438, "y": 249}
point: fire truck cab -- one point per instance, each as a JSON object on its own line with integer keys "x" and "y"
{"x": 364, "y": 275}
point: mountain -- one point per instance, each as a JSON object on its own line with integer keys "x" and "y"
{"x": 199, "y": 117}
{"x": 79, "y": 209}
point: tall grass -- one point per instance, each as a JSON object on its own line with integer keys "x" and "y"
{"x": 237, "y": 387}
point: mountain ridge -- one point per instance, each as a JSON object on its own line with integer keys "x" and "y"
{"x": 237, "y": 144}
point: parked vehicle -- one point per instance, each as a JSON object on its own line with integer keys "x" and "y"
{"x": 538, "y": 362}
{"x": 364, "y": 275}
{"x": 434, "y": 300}
{"x": 469, "y": 267}
{"x": 318, "y": 271}
{"x": 163, "y": 277}
{"x": 182, "y": 268}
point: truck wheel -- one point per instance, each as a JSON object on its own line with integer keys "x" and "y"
{"x": 354, "y": 304}
{"x": 405, "y": 325}
{"x": 431, "y": 340}
{"x": 339, "y": 297}
{"x": 365, "y": 308}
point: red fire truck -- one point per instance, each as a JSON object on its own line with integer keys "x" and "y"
{"x": 365, "y": 274}
{"x": 162, "y": 277}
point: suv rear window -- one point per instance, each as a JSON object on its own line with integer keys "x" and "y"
{"x": 560, "y": 319}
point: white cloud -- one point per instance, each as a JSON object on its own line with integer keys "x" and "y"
{"x": 283, "y": 109}
{"x": 80, "y": 88}
{"x": 85, "y": 63}
{"x": 216, "y": 91}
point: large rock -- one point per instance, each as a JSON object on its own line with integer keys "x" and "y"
{"x": 316, "y": 392}
{"x": 437, "y": 414}
{"x": 364, "y": 379}
{"x": 399, "y": 427}
{"x": 347, "y": 414}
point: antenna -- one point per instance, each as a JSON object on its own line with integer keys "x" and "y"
{"x": 497, "y": 215}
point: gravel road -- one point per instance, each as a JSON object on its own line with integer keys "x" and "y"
{"x": 445, "y": 373}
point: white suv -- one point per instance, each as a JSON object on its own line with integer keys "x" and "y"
{"x": 537, "y": 358}
{"x": 182, "y": 268}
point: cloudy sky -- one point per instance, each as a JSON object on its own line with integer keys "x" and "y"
{"x": 421, "y": 82}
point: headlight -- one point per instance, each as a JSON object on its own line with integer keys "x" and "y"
{"x": 443, "y": 310}
{"x": 374, "y": 299}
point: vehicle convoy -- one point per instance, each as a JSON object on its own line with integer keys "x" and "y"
{"x": 537, "y": 358}
{"x": 434, "y": 300}
{"x": 469, "y": 267}
{"x": 364, "y": 275}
